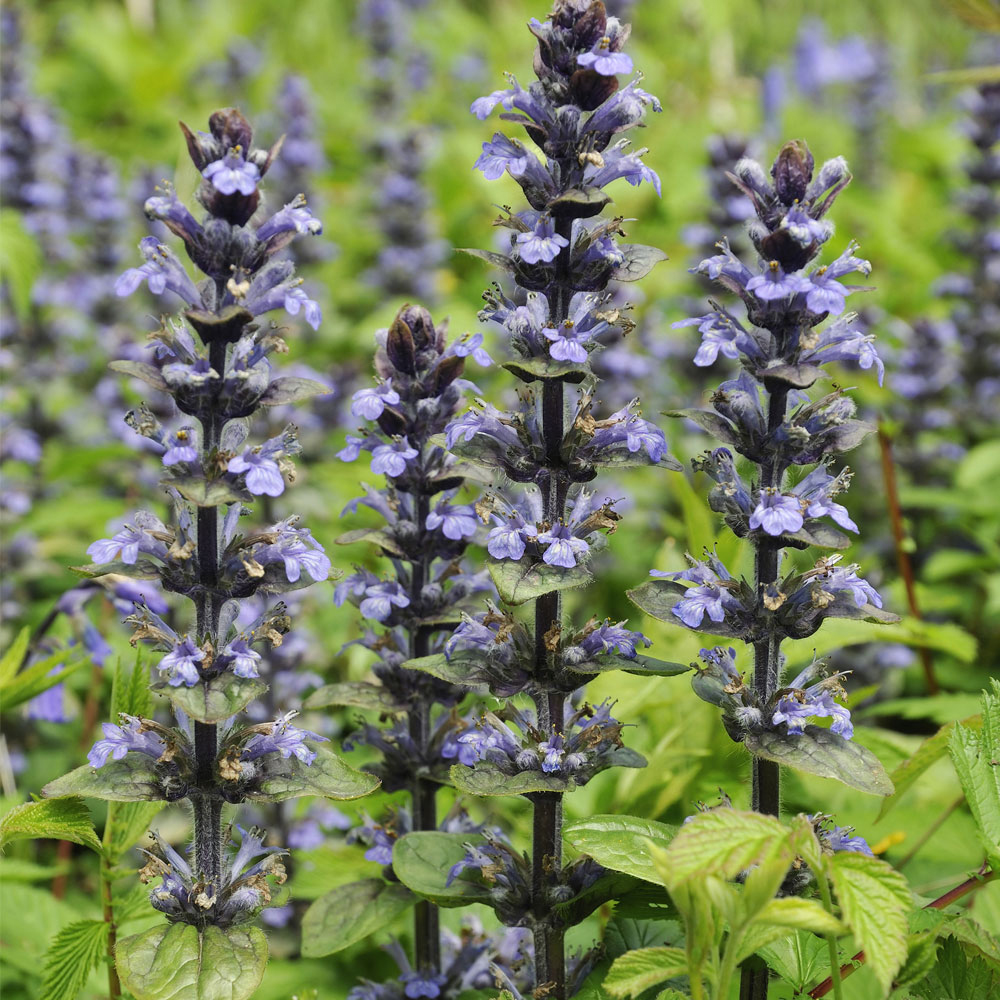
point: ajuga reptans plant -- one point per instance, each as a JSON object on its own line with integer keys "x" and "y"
{"x": 562, "y": 254}
{"x": 765, "y": 416}
{"x": 211, "y": 468}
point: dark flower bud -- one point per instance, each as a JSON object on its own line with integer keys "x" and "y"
{"x": 418, "y": 319}
{"x": 400, "y": 347}
{"x": 392, "y": 422}
{"x": 590, "y": 90}
{"x": 231, "y": 129}
{"x": 792, "y": 171}
{"x": 590, "y": 27}
{"x": 445, "y": 373}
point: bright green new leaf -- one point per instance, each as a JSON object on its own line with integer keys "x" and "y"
{"x": 14, "y": 656}
{"x": 976, "y": 757}
{"x": 177, "y": 962}
{"x": 636, "y": 971}
{"x": 350, "y": 913}
{"x": 875, "y": 903}
{"x": 56, "y": 819}
{"x": 801, "y": 958}
{"x": 802, "y": 914}
{"x": 621, "y": 842}
{"x": 130, "y": 691}
{"x": 40, "y": 676}
{"x": 74, "y": 951}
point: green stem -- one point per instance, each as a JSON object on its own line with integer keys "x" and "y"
{"x": 114, "y": 984}
{"x": 728, "y": 968}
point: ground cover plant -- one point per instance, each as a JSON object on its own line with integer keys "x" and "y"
{"x": 363, "y": 636}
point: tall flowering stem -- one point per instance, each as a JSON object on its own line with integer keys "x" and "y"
{"x": 562, "y": 257}
{"x": 418, "y": 391}
{"x": 765, "y": 416}
{"x": 210, "y": 469}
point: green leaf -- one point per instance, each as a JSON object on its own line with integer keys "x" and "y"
{"x": 292, "y": 389}
{"x": 800, "y": 959}
{"x": 350, "y": 913}
{"x": 929, "y": 752}
{"x": 215, "y": 701}
{"x": 207, "y": 492}
{"x": 641, "y": 666}
{"x": 19, "y": 870}
{"x": 74, "y": 951}
{"x": 532, "y": 369}
{"x": 486, "y": 778}
{"x": 126, "y": 824}
{"x": 39, "y": 677}
{"x": 522, "y": 580}
{"x": 11, "y": 660}
{"x": 177, "y": 962}
{"x": 62, "y": 819}
{"x": 802, "y": 914}
{"x": 422, "y": 862}
{"x": 976, "y": 757}
{"x": 724, "y": 842}
{"x": 824, "y": 753}
{"x": 130, "y": 691}
{"x": 875, "y": 903}
{"x": 131, "y": 779}
{"x": 20, "y": 260}
{"x": 380, "y": 538}
{"x": 328, "y": 775}
{"x": 636, "y": 971}
{"x": 956, "y": 976}
{"x": 621, "y": 842}
{"x": 356, "y": 695}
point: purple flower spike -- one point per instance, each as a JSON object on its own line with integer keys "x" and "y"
{"x": 777, "y": 513}
{"x": 120, "y": 740}
{"x": 180, "y": 447}
{"x": 455, "y": 522}
{"x": 181, "y": 664}
{"x": 562, "y": 547}
{"x": 263, "y": 475}
{"x": 284, "y": 739}
{"x": 233, "y": 173}
{"x": 369, "y": 403}
{"x": 542, "y": 244}
{"x": 391, "y": 459}
{"x": 774, "y": 284}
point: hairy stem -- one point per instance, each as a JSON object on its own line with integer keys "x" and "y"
{"x": 831, "y": 939}
{"x": 114, "y": 984}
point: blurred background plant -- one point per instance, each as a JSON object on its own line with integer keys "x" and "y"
{"x": 91, "y": 96}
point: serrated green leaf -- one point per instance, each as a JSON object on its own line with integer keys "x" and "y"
{"x": 522, "y": 580}
{"x": 58, "y": 819}
{"x": 621, "y": 842}
{"x": 130, "y": 692}
{"x": 875, "y": 903}
{"x": 800, "y": 959}
{"x": 929, "y": 752}
{"x": 350, "y": 913}
{"x": 12, "y": 659}
{"x": 976, "y": 757}
{"x": 74, "y": 951}
{"x": 422, "y": 862}
{"x": 637, "y": 971}
{"x": 975, "y": 938}
{"x": 215, "y": 701}
{"x": 328, "y": 775}
{"x": 724, "y": 842}
{"x": 355, "y": 694}
{"x": 957, "y": 976}
{"x": 131, "y": 779}
{"x": 177, "y": 962}
{"x": 824, "y": 753}
{"x": 802, "y": 914}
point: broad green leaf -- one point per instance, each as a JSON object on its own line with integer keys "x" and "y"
{"x": 355, "y": 694}
{"x": 824, "y": 753}
{"x": 975, "y": 938}
{"x": 957, "y": 976}
{"x": 59, "y": 819}
{"x": 292, "y": 389}
{"x": 328, "y": 775}
{"x": 636, "y": 971}
{"x": 215, "y": 701}
{"x": 39, "y": 677}
{"x": 723, "y": 842}
{"x": 422, "y": 862}
{"x": 875, "y": 903}
{"x": 206, "y": 492}
{"x": 975, "y": 756}
{"x": 350, "y": 913}
{"x": 126, "y": 824}
{"x": 19, "y": 870}
{"x": 801, "y": 958}
{"x": 11, "y": 660}
{"x": 380, "y": 538}
{"x": 929, "y": 752}
{"x": 609, "y": 887}
{"x": 74, "y": 951}
{"x": 532, "y": 369}
{"x": 177, "y": 962}
{"x": 621, "y": 842}
{"x": 486, "y": 778}
{"x": 131, "y": 779}
{"x": 523, "y": 580}
{"x": 758, "y": 936}
{"x": 641, "y": 666}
